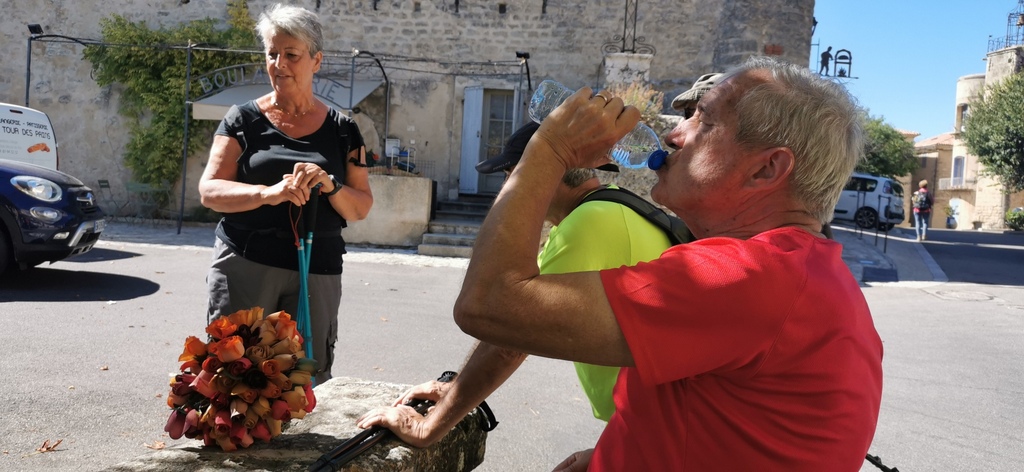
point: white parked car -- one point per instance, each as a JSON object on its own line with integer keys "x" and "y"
{"x": 871, "y": 201}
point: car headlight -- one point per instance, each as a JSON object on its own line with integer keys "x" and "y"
{"x": 37, "y": 187}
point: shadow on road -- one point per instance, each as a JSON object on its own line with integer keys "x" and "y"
{"x": 100, "y": 255}
{"x": 55, "y": 285}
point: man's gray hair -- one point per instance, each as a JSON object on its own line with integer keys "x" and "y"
{"x": 575, "y": 177}
{"x": 296, "y": 22}
{"x": 815, "y": 118}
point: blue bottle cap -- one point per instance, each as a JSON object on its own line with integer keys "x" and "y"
{"x": 657, "y": 159}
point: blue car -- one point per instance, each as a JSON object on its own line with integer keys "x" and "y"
{"x": 45, "y": 216}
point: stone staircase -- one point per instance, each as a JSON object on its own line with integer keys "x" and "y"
{"x": 456, "y": 223}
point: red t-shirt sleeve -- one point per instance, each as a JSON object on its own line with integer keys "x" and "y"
{"x": 712, "y": 306}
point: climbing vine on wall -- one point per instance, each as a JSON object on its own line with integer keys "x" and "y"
{"x": 148, "y": 67}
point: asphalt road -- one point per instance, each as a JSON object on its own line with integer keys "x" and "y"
{"x": 90, "y": 343}
{"x": 978, "y": 257}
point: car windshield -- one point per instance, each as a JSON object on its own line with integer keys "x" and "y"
{"x": 897, "y": 189}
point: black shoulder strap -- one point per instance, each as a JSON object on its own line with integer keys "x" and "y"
{"x": 673, "y": 227}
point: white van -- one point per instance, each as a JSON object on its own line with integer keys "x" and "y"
{"x": 26, "y": 135}
{"x": 871, "y": 201}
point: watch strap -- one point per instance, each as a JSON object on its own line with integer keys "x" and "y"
{"x": 337, "y": 187}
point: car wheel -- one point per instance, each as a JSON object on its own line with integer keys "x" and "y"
{"x": 866, "y": 218}
{"x": 6, "y": 254}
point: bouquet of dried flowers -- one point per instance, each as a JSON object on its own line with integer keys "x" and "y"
{"x": 242, "y": 385}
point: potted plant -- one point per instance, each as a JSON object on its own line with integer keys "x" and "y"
{"x": 950, "y": 217}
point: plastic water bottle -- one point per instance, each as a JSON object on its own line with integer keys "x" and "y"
{"x": 640, "y": 148}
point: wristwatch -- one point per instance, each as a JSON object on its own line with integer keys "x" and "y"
{"x": 337, "y": 187}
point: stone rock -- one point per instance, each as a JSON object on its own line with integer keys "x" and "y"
{"x": 340, "y": 401}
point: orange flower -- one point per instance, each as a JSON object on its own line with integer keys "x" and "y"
{"x": 251, "y": 418}
{"x": 261, "y": 406}
{"x": 296, "y": 399}
{"x": 193, "y": 348}
{"x": 274, "y": 426}
{"x": 229, "y": 349}
{"x": 221, "y": 328}
{"x": 284, "y": 346}
{"x": 270, "y": 367}
{"x": 191, "y": 366}
{"x": 275, "y": 317}
{"x": 285, "y": 328}
{"x": 282, "y": 381}
{"x": 245, "y": 392}
{"x": 246, "y": 317}
{"x": 271, "y": 391}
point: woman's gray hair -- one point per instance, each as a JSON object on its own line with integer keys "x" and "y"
{"x": 296, "y": 22}
{"x": 815, "y": 118}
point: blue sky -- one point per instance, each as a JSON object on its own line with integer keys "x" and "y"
{"x": 908, "y": 54}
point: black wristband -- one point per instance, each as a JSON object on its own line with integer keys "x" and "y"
{"x": 337, "y": 187}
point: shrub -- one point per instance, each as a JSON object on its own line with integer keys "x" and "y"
{"x": 641, "y": 96}
{"x": 1015, "y": 219}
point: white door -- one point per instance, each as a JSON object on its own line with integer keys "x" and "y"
{"x": 498, "y": 125}
{"x": 472, "y": 119}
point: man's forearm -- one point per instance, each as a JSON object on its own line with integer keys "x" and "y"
{"x": 505, "y": 252}
{"x": 486, "y": 369}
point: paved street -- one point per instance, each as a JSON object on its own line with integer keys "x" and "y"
{"x": 91, "y": 341}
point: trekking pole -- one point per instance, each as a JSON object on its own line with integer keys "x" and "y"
{"x": 304, "y": 251}
{"x": 356, "y": 445}
{"x": 877, "y": 462}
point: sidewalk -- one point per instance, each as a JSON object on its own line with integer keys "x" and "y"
{"x": 871, "y": 261}
{"x": 877, "y": 259}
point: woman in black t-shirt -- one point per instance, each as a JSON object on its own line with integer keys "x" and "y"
{"x": 266, "y": 156}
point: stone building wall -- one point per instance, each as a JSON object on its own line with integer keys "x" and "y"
{"x": 565, "y": 39}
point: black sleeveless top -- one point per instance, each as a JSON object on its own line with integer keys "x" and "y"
{"x": 264, "y": 234}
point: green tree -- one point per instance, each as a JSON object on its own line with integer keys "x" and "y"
{"x": 887, "y": 152}
{"x": 994, "y": 131}
{"x": 148, "y": 67}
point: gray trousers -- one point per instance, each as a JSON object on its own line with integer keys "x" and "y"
{"x": 236, "y": 283}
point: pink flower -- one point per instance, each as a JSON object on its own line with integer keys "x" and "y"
{"x": 175, "y": 423}
{"x": 261, "y": 431}
{"x": 310, "y": 397}
{"x": 222, "y": 423}
{"x": 191, "y": 429}
{"x": 279, "y": 410}
{"x": 202, "y": 384}
{"x": 239, "y": 367}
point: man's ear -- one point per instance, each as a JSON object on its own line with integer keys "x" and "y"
{"x": 774, "y": 165}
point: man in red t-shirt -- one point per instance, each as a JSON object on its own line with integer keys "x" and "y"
{"x": 750, "y": 349}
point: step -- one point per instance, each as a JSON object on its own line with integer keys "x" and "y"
{"x": 471, "y": 207}
{"x": 449, "y": 239}
{"x": 444, "y": 214}
{"x": 476, "y": 198}
{"x": 445, "y": 251}
{"x": 454, "y": 226}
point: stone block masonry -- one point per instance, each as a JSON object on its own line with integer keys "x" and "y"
{"x": 340, "y": 401}
{"x": 427, "y": 40}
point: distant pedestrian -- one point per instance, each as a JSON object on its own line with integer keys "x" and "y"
{"x": 922, "y": 209}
